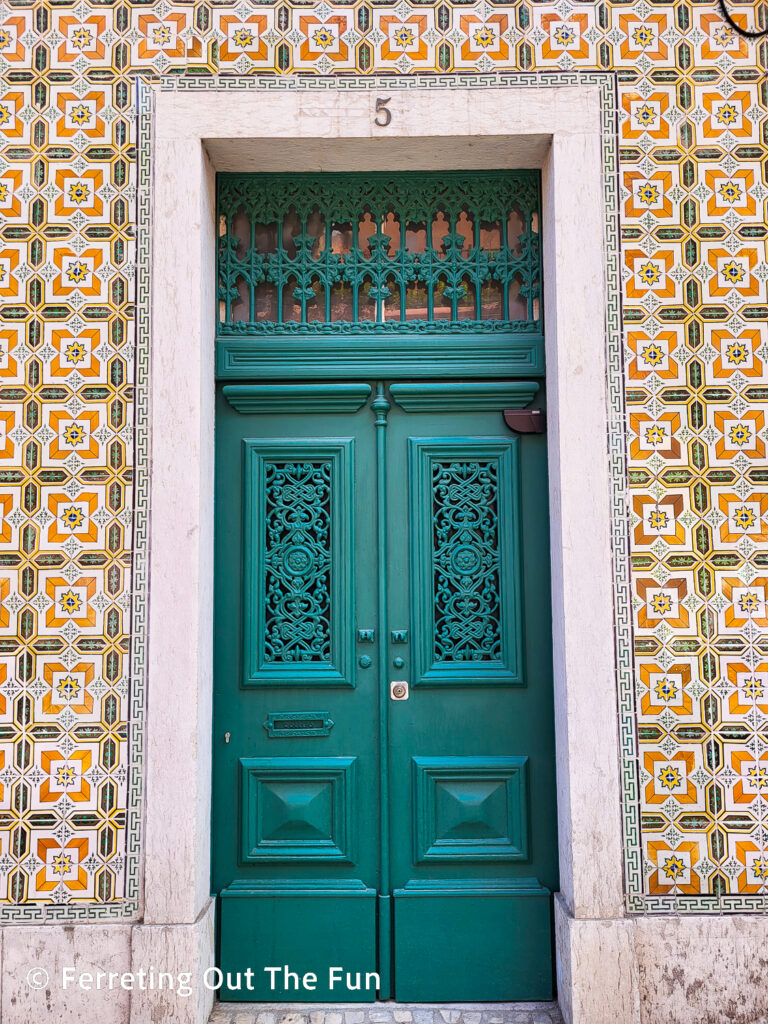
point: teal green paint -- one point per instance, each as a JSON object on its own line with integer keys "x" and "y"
{"x": 281, "y": 272}
{"x": 272, "y": 538}
{"x": 477, "y": 720}
{"x": 418, "y": 353}
{"x": 470, "y": 844}
{"x": 486, "y": 649}
{"x": 297, "y": 723}
{"x": 498, "y": 934}
{"x": 310, "y": 927}
{"x": 275, "y": 398}
{"x": 285, "y": 905}
{"x": 485, "y": 396}
{"x": 496, "y": 786}
{"x": 385, "y": 939}
{"x": 298, "y": 809}
{"x": 380, "y": 408}
{"x": 281, "y": 230}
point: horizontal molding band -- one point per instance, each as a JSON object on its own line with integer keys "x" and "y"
{"x": 297, "y": 886}
{"x": 474, "y": 396}
{"x": 415, "y": 358}
{"x": 472, "y": 887}
{"x": 277, "y": 398}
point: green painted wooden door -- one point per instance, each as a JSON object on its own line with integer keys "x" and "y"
{"x": 384, "y": 790}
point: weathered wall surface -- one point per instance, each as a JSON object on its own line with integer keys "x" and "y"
{"x": 691, "y": 181}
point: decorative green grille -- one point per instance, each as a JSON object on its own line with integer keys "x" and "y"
{"x": 356, "y": 253}
{"x": 297, "y": 623}
{"x": 466, "y": 562}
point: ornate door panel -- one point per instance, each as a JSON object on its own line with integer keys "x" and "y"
{"x": 384, "y": 755}
{"x": 472, "y": 784}
{"x": 295, "y": 812}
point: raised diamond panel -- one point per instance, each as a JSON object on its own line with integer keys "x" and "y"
{"x": 295, "y": 809}
{"x": 470, "y": 808}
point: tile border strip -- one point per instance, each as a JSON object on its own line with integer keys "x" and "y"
{"x": 129, "y": 905}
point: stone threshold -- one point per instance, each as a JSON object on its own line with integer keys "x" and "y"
{"x": 386, "y": 1013}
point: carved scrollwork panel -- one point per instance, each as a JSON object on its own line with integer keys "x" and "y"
{"x": 298, "y": 563}
{"x": 297, "y": 528}
{"x": 465, "y": 571}
{"x": 466, "y": 562}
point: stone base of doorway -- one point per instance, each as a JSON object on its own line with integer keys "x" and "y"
{"x": 691, "y": 969}
{"x": 386, "y": 1013}
{"x": 34, "y": 958}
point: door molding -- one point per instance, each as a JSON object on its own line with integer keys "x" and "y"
{"x": 307, "y": 398}
{"x": 473, "y": 396}
{"x": 486, "y": 122}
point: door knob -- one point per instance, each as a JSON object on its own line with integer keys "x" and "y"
{"x": 398, "y": 689}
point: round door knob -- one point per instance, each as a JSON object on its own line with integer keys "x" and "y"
{"x": 398, "y": 690}
{"x": 398, "y": 662}
{"x": 365, "y": 661}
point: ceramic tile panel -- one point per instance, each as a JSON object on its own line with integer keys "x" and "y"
{"x": 685, "y": 105}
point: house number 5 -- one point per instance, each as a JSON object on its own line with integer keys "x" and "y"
{"x": 383, "y": 113}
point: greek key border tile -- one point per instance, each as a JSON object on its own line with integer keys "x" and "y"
{"x": 128, "y": 906}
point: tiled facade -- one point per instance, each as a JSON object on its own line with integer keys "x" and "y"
{"x": 691, "y": 102}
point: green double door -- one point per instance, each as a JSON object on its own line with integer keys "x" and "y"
{"x": 384, "y": 782}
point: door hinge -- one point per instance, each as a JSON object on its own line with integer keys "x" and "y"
{"x": 526, "y": 421}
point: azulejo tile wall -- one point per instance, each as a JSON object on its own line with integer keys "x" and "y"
{"x": 688, "y": 367}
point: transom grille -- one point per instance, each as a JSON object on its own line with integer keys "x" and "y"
{"x": 379, "y": 252}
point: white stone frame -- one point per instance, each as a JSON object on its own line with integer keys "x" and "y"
{"x": 197, "y": 133}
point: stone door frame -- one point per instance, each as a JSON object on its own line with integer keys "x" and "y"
{"x": 326, "y": 125}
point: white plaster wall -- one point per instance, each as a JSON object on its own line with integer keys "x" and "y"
{"x": 662, "y": 970}
{"x": 559, "y": 128}
{"x": 180, "y": 949}
{"x": 703, "y": 969}
{"x": 597, "y": 979}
